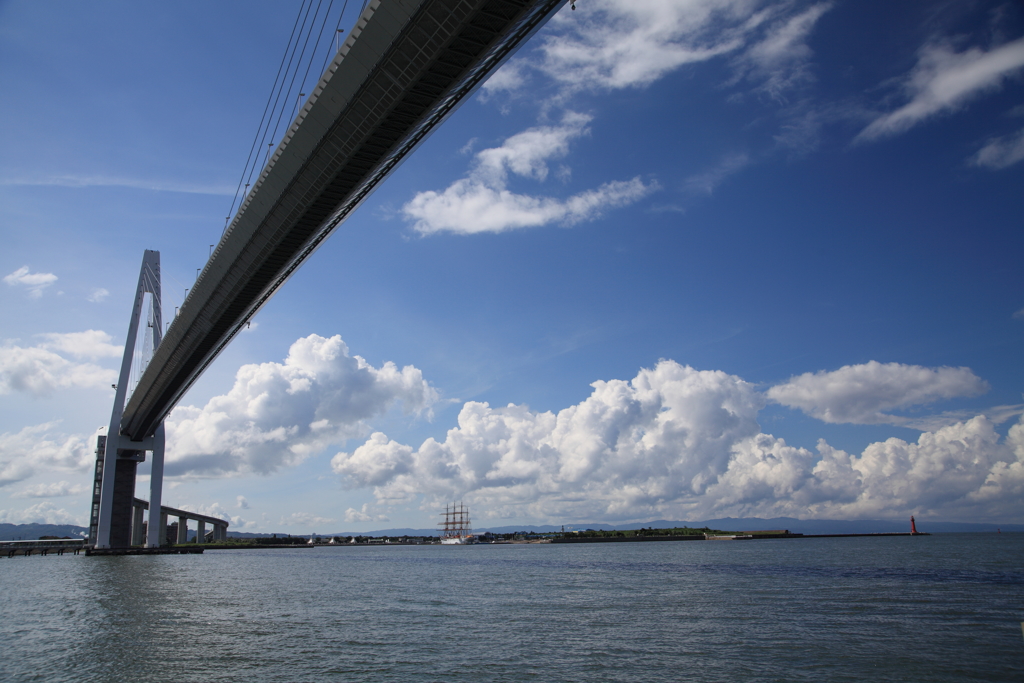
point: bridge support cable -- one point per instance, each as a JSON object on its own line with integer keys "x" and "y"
{"x": 254, "y": 149}
{"x": 117, "y": 456}
{"x": 403, "y": 69}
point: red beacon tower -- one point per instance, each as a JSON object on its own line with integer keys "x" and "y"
{"x": 913, "y": 527}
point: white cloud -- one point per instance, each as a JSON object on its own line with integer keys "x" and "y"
{"x": 1001, "y": 152}
{"x": 113, "y": 181}
{"x": 677, "y": 443}
{"x": 88, "y": 344}
{"x": 35, "y": 283}
{"x": 242, "y": 503}
{"x": 212, "y": 510}
{"x": 482, "y": 202}
{"x": 365, "y": 514}
{"x": 98, "y": 295}
{"x": 616, "y": 44}
{"x": 1018, "y": 315}
{"x": 962, "y": 470}
{"x": 277, "y": 414}
{"x": 42, "y": 448}
{"x": 664, "y": 435}
{"x": 780, "y": 60}
{"x": 304, "y": 519}
{"x": 40, "y": 372}
{"x": 707, "y": 182}
{"x": 859, "y": 394}
{"x": 41, "y": 513}
{"x": 943, "y": 80}
{"x": 52, "y": 490}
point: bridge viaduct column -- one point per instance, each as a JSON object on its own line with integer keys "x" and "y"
{"x": 200, "y": 531}
{"x": 137, "y": 538}
{"x": 182, "y": 530}
{"x": 156, "y": 488}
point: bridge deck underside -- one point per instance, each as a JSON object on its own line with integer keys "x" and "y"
{"x": 406, "y": 65}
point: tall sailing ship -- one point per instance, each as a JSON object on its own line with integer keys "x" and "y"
{"x": 454, "y": 528}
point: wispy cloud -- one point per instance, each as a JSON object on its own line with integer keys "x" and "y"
{"x": 108, "y": 181}
{"x": 365, "y": 514}
{"x": 97, "y": 295}
{"x": 1001, "y": 152}
{"x": 619, "y": 44}
{"x": 705, "y": 183}
{"x": 304, "y": 519}
{"x": 780, "y": 60}
{"x": 944, "y": 80}
{"x": 35, "y": 283}
{"x": 53, "y": 490}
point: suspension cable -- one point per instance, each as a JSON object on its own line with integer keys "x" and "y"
{"x": 337, "y": 26}
{"x": 266, "y": 108}
{"x": 298, "y": 65}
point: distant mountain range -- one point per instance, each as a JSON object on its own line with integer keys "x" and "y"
{"x": 30, "y": 532}
{"x": 10, "y": 532}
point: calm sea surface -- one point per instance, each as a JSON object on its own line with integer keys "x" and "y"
{"x": 938, "y": 608}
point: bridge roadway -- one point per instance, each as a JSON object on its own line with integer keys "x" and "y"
{"x": 406, "y": 65}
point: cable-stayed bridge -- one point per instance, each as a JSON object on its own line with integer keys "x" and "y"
{"x": 404, "y": 67}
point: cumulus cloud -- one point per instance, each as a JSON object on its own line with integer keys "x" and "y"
{"x": 35, "y": 283}
{"x": 662, "y": 436}
{"x": 97, "y": 295}
{"x": 1001, "y": 152}
{"x": 859, "y": 394}
{"x": 242, "y": 503}
{"x": 482, "y": 201}
{"x": 43, "y": 448}
{"x": 963, "y": 469}
{"x": 51, "y": 490}
{"x": 39, "y": 371}
{"x": 41, "y": 513}
{"x": 678, "y": 443}
{"x": 278, "y": 414}
{"x": 944, "y": 80}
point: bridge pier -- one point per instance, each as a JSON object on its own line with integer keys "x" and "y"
{"x": 182, "y": 530}
{"x": 200, "y": 531}
{"x": 117, "y": 456}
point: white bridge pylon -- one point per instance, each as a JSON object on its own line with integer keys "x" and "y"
{"x": 112, "y": 516}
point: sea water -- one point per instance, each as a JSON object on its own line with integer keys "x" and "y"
{"x": 946, "y": 607}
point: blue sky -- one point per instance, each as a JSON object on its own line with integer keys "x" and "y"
{"x": 676, "y": 260}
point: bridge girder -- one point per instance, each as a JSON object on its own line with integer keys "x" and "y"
{"x": 406, "y": 65}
